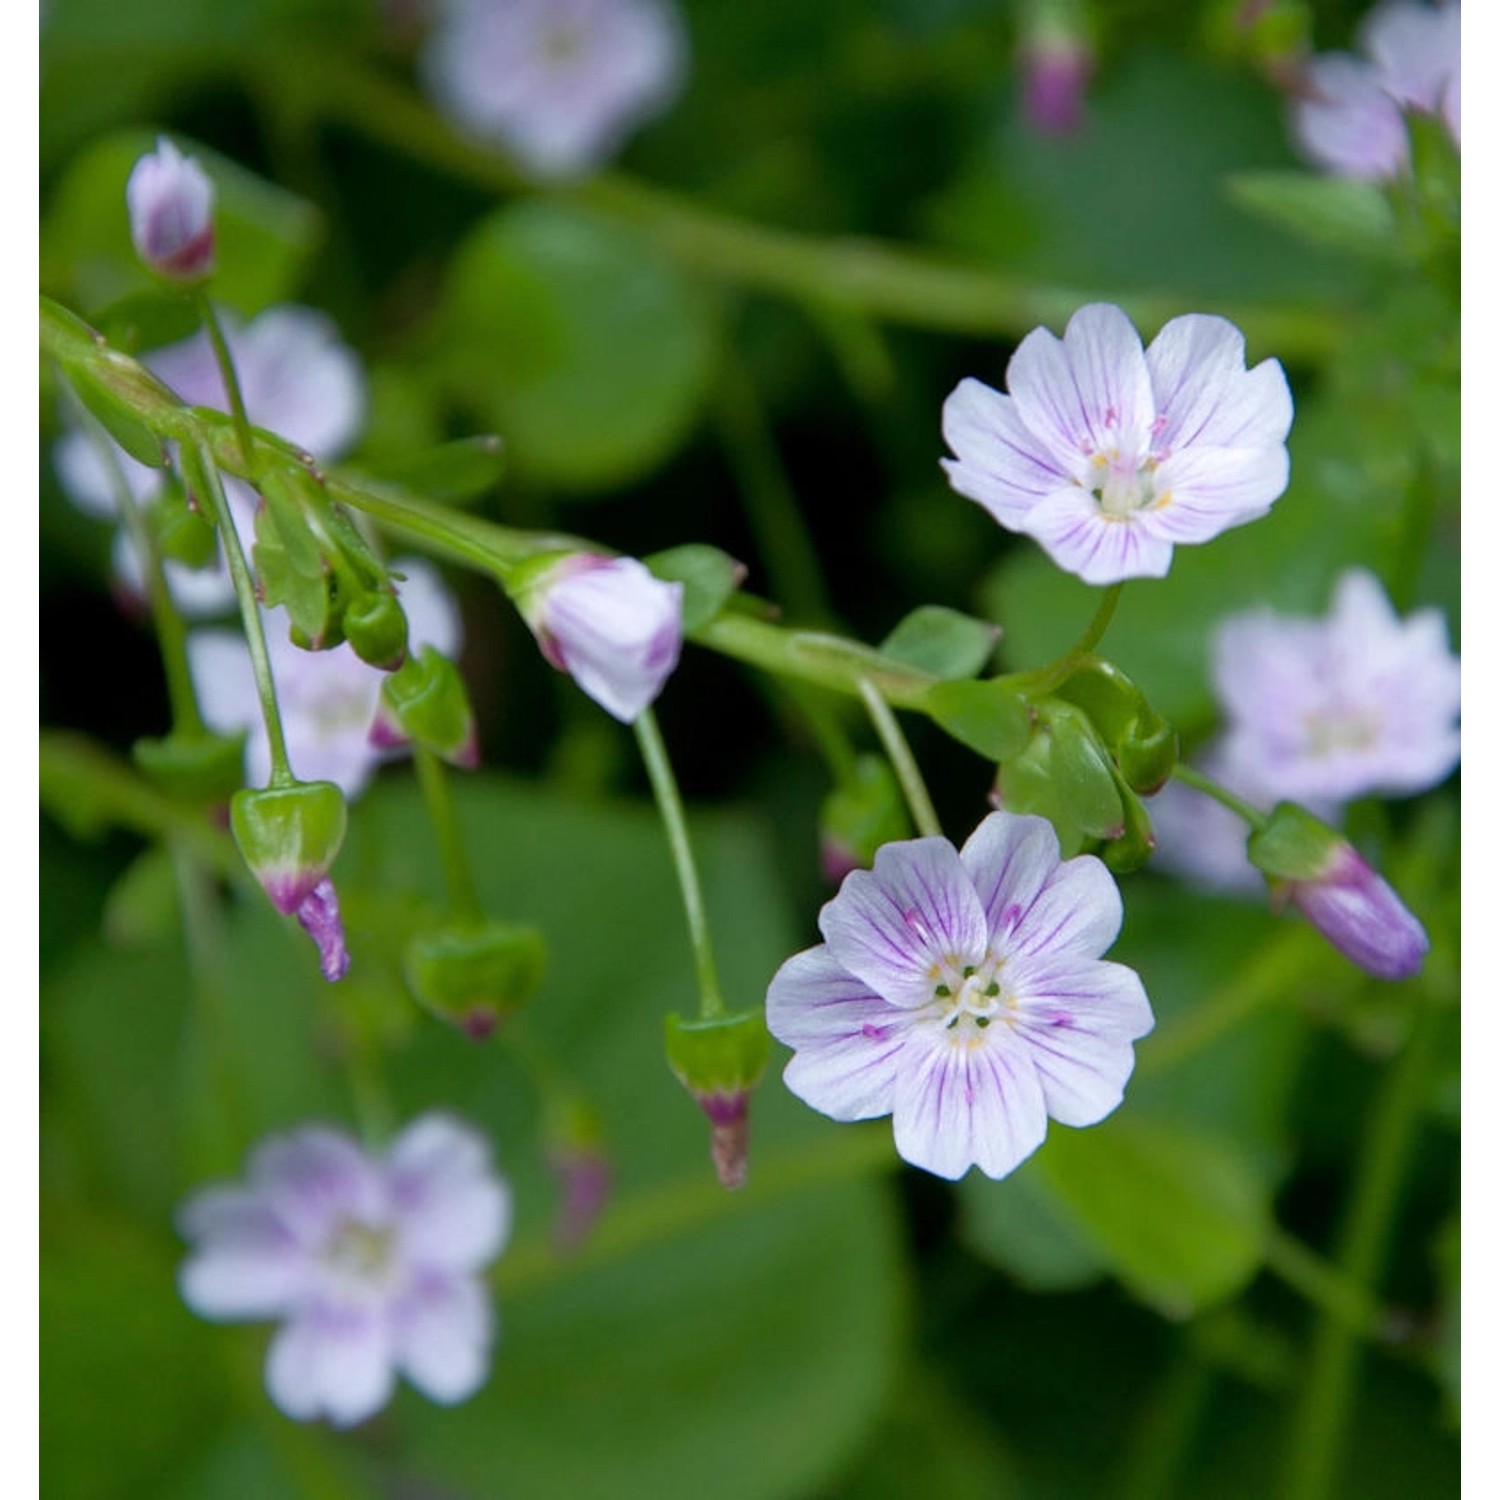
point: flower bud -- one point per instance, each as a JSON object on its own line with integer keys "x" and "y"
{"x": 1318, "y": 871}
{"x": 577, "y": 1158}
{"x": 195, "y": 768}
{"x": 375, "y": 626}
{"x": 289, "y": 836}
{"x": 473, "y": 976}
{"x": 1143, "y": 744}
{"x": 1065, "y": 775}
{"x": 607, "y": 621}
{"x": 863, "y": 812}
{"x": 426, "y": 702}
{"x": 1056, "y": 65}
{"x": 171, "y": 203}
{"x": 719, "y": 1062}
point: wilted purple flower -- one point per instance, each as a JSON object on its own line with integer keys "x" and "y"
{"x": 171, "y": 205}
{"x": 963, "y": 994}
{"x": 1361, "y": 916}
{"x": 371, "y": 1263}
{"x": 329, "y": 699}
{"x": 299, "y": 381}
{"x": 320, "y": 919}
{"x": 610, "y": 623}
{"x": 1349, "y": 118}
{"x": 1110, "y": 455}
{"x": 1330, "y": 709}
{"x": 558, "y": 83}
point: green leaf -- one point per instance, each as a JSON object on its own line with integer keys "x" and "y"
{"x": 569, "y": 338}
{"x": 117, "y": 418}
{"x": 1181, "y": 1215}
{"x": 1338, "y": 213}
{"x": 453, "y": 473}
{"x": 1018, "y": 1226}
{"x": 142, "y": 903}
{"x": 708, "y": 576}
{"x": 935, "y": 639}
{"x": 990, "y": 717}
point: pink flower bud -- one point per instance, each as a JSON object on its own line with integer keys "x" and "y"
{"x": 1055, "y": 70}
{"x": 171, "y": 205}
{"x": 319, "y": 916}
{"x": 1361, "y": 916}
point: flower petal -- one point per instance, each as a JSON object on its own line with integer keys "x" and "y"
{"x": 1204, "y": 491}
{"x": 847, "y": 1039}
{"x": 1347, "y": 122}
{"x": 1000, "y": 462}
{"x": 443, "y": 1331}
{"x": 1010, "y": 858}
{"x": 331, "y": 1362}
{"x": 247, "y": 1264}
{"x": 961, "y": 1105}
{"x": 1089, "y": 392}
{"x": 1204, "y": 394}
{"x": 451, "y": 1209}
{"x": 895, "y": 927}
{"x": 316, "y": 1179}
{"x": 1100, "y": 549}
{"x": 1078, "y": 913}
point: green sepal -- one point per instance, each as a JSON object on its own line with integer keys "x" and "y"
{"x": 1064, "y": 774}
{"x": 283, "y": 494}
{"x": 307, "y": 597}
{"x": 708, "y": 577}
{"x": 375, "y": 625}
{"x": 473, "y": 977}
{"x": 864, "y": 811}
{"x": 289, "y": 836}
{"x": 194, "y": 767}
{"x": 429, "y": 704}
{"x": 1133, "y": 848}
{"x": 182, "y": 532}
{"x": 720, "y": 1057}
{"x": 1293, "y": 844}
{"x": 992, "y": 717}
{"x": 1143, "y": 744}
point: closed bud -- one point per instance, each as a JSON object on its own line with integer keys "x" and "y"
{"x": 425, "y": 702}
{"x": 289, "y": 836}
{"x": 1056, "y": 64}
{"x": 474, "y": 975}
{"x": 1065, "y": 775}
{"x": 1143, "y": 744}
{"x": 579, "y": 1162}
{"x": 375, "y": 626}
{"x": 171, "y": 204}
{"x": 863, "y": 812}
{"x": 207, "y": 768}
{"x": 1319, "y": 872}
{"x": 719, "y": 1062}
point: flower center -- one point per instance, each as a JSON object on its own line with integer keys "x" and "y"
{"x": 1122, "y": 485}
{"x": 1329, "y": 733}
{"x": 967, "y": 999}
{"x": 361, "y": 1254}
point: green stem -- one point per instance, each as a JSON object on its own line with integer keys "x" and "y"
{"x": 206, "y": 477}
{"x": 1320, "y": 1426}
{"x": 1164, "y": 1432}
{"x": 457, "y": 873}
{"x": 1348, "y": 1303}
{"x": 781, "y": 535}
{"x": 171, "y": 632}
{"x": 1221, "y": 794}
{"x": 1048, "y": 679}
{"x": 231, "y": 379}
{"x": 826, "y": 728}
{"x": 908, "y": 773}
{"x": 669, "y": 802}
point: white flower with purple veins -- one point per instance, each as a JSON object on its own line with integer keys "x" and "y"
{"x": 328, "y": 699}
{"x": 372, "y": 1264}
{"x": 1359, "y": 702}
{"x": 963, "y": 993}
{"x": 559, "y": 83}
{"x": 1350, "y": 117}
{"x": 299, "y": 381}
{"x": 1109, "y": 454}
{"x": 171, "y": 205}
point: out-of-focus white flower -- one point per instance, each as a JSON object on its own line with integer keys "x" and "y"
{"x": 558, "y": 83}
{"x": 171, "y": 205}
{"x": 1109, "y": 454}
{"x": 371, "y": 1264}
{"x": 328, "y": 699}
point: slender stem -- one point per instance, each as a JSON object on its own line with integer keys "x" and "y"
{"x": 669, "y": 802}
{"x": 786, "y": 547}
{"x": 171, "y": 632}
{"x": 1163, "y": 1440}
{"x": 225, "y": 361}
{"x": 255, "y": 635}
{"x": 923, "y": 814}
{"x": 1347, "y": 1302}
{"x": 1047, "y": 679}
{"x": 457, "y": 873}
{"x": 1221, "y": 794}
{"x": 1320, "y": 1427}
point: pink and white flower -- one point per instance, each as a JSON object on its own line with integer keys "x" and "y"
{"x": 1357, "y": 703}
{"x": 963, "y": 993}
{"x": 559, "y": 83}
{"x": 1350, "y": 116}
{"x": 372, "y": 1264}
{"x": 329, "y": 700}
{"x": 1109, "y": 454}
{"x": 610, "y": 623}
{"x": 171, "y": 205}
{"x": 299, "y": 381}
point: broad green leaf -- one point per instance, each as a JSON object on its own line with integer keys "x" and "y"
{"x": 569, "y": 338}
{"x": 142, "y": 904}
{"x": 935, "y": 639}
{"x": 1016, "y": 1225}
{"x": 990, "y": 717}
{"x": 454, "y": 473}
{"x": 709, "y": 577}
{"x": 1321, "y": 209}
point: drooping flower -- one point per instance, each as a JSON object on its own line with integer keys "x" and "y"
{"x": 558, "y": 83}
{"x": 371, "y": 1263}
{"x": 1350, "y": 116}
{"x": 171, "y": 205}
{"x": 1056, "y": 64}
{"x": 330, "y": 699}
{"x": 1359, "y": 702}
{"x": 963, "y": 993}
{"x": 299, "y": 381}
{"x": 1111, "y": 455}
{"x": 611, "y": 624}
{"x": 1359, "y": 913}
